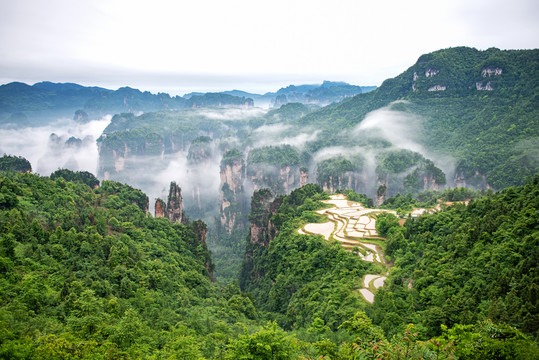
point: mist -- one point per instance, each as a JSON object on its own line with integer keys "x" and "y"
{"x": 232, "y": 113}
{"x": 401, "y": 128}
{"x": 404, "y": 130}
{"x": 282, "y": 134}
{"x": 48, "y": 153}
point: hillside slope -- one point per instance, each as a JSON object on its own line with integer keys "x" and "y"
{"x": 481, "y": 107}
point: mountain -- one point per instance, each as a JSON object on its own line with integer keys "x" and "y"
{"x": 22, "y": 104}
{"x": 86, "y": 273}
{"x": 18, "y": 96}
{"x": 324, "y": 94}
{"x": 480, "y": 107}
{"x": 443, "y": 270}
{"x": 317, "y": 94}
{"x": 355, "y": 242}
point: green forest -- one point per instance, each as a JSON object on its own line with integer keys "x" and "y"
{"x": 88, "y": 273}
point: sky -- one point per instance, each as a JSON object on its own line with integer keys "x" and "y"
{"x": 253, "y": 45}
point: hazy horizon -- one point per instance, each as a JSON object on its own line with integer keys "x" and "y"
{"x": 180, "y": 47}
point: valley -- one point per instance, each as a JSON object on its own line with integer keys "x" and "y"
{"x": 210, "y": 226}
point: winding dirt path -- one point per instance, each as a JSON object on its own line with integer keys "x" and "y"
{"x": 351, "y": 224}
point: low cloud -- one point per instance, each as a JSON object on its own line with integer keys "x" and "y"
{"x": 401, "y": 128}
{"x": 277, "y": 134}
{"x": 232, "y": 113}
{"x": 48, "y": 153}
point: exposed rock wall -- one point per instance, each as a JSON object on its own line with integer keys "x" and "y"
{"x": 431, "y": 72}
{"x": 381, "y": 194}
{"x": 303, "y": 177}
{"x": 287, "y": 179}
{"x": 344, "y": 181}
{"x": 175, "y": 203}
{"x": 488, "y": 86}
{"x": 160, "y": 208}
{"x": 489, "y": 71}
{"x": 231, "y": 194}
{"x": 437, "y": 88}
{"x": 263, "y": 207}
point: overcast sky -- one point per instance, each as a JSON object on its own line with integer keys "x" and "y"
{"x": 213, "y": 45}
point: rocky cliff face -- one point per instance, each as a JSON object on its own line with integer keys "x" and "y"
{"x": 175, "y": 203}
{"x": 263, "y": 207}
{"x": 381, "y": 194}
{"x": 476, "y": 180}
{"x": 231, "y": 194}
{"x": 287, "y": 179}
{"x": 160, "y": 208}
{"x": 281, "y": 180}
{"x": 303, "y": 177}
{"x": 344, "y": 181}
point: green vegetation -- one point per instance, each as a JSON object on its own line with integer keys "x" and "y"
{"x": 14, "y": 163}
{"x": 354, "y": 196}
{"x": 429, "y": 199}
{"x": 299, "y": 278}
{"x": 83, "y": 177}
{"x": 307, "y": 284}
{"x": 393, "y": 165}
{"x": 280, "y": 156}
{"x": 87, "y": 273}
{"x": 200, "y": 150}
{"x": 463, "y": 265}
{"x": 332, "y": 170}
{"x": 288, "y": 113}
{"x": 272, "y": 166}
{"x": 490, "y": 133}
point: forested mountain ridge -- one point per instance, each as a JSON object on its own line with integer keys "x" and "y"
{"x": 465, "y": 277}
{"x": 88, "y": 273}
{"x": 22, "y": 104}
{"x": 481, "y": 107}
{"x": 465, "y": 264}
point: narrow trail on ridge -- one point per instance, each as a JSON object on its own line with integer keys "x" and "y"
{"x": 352, "y": 225}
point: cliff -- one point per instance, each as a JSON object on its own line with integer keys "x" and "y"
{"x": 231, "y": 194}
{"x": 174, "y": 205}
{"x": 303, "y": 176}
{"x": 160, "y": 208}
{"x": 263, "y": 207}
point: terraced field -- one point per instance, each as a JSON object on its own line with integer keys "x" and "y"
{"x": 353, "y": 226}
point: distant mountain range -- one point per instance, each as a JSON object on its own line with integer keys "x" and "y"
{"x": 320, "y": 94}
{"x": 21, "y": 103}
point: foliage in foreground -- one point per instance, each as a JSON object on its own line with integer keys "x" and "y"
{"x": 87, "y": 274}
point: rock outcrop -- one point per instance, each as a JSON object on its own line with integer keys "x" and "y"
{"x": 488, "y": 86}
{"x": 475, "y": 180}
{"x": 175, "y": 203}
{"x": 201, "y": 230}
{"x": 381, "y": 194}
{"x": 303, "y": 176}
{"x": 343, "y": 181}
{"x": 489, "y": 71}
{"x": 287, "y": 178}
{"x": 160, "y": 208}
{"x": 431, "y": 72}
{"x": 263, "y": 207}
{"x": 231, "y": 194}
{"x": 437, "y": 88}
